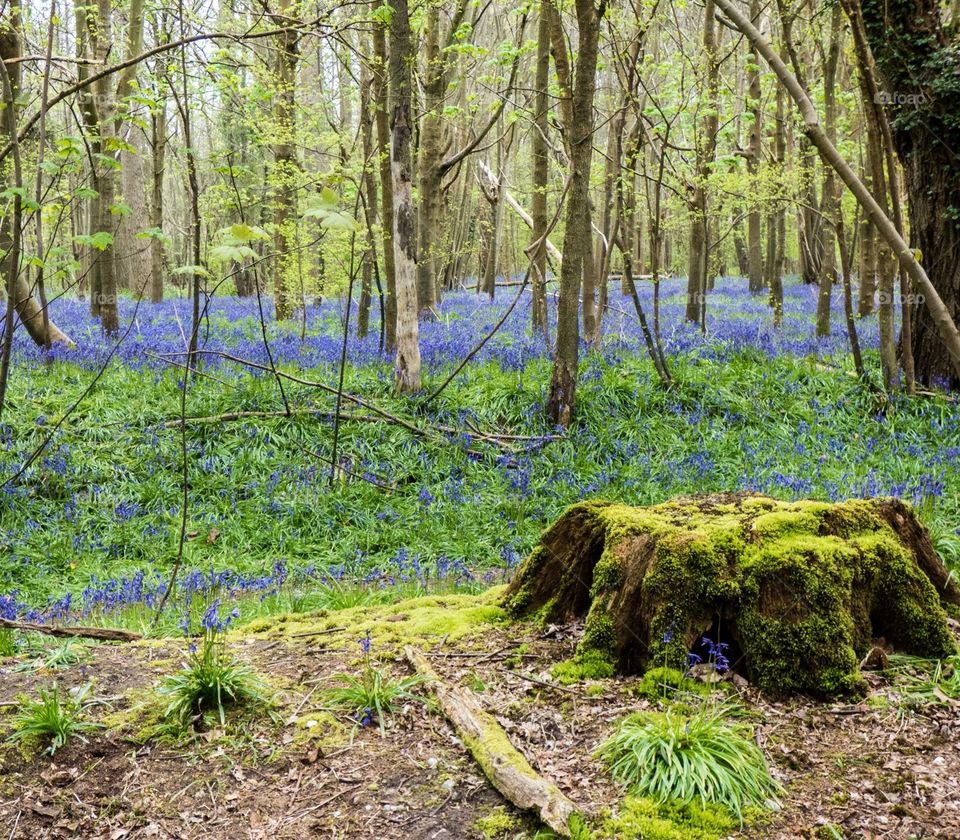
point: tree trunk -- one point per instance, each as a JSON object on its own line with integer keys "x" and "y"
{"x": 754, "y": 148}
{"x": 407, "y": 367}
{"x": 286, "y": 169}
{"x": 381, "y": 104}
{"x": 15, "y": 284}
{"x": 797, "y": 590}
{"x": 561, "y": 400}
{"x": 699, "y": 250}
{"x": 369, "y": 203}
{"x": 429, "y": 227}
{"x": 541, "y": 167}
{"x": 158, "y": 142}
{"x": 828, "y": 269}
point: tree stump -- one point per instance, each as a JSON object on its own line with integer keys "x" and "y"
{"x": 799, "y": 590}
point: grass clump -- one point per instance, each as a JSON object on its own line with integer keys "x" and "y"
{"x": 57, "y": 658}
{"x": 372, "y": 694}
{"x": 699, "y": 757}
{"x": 211, "y": 681}
{"x": 53, "y": 718}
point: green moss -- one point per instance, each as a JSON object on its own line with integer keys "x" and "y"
{"x": 588, "y": 665}
{"x": 497, "y": 824}
{"x": 639, "y": 818}
{"x": 665, "y": 683}
{"x": 416, "y": 620}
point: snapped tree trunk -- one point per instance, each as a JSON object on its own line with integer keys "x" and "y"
{"x": 798, "y": 590}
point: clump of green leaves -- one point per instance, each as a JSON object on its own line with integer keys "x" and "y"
{"x": 8, "y": 643}
{"x": 372, "y": 694}
{"x": 53, "y": 718}
{"x": 923, "y": 681}
{"x": 674, "y": 756}
{"x": 212, "y": 679}
{"x": 56, "y": 658}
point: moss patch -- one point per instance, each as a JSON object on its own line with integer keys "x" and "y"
{"x": 589, "y": 665}
{"x": 639, "y": 818}
{"x": 497, "y": 824}
{"x": 666, "y": 683}
{"x": 416, "y": 620}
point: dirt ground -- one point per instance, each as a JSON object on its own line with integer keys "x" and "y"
{"x": 871, "y": 770}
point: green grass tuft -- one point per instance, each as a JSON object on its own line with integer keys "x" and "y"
{"x": 698, "y": 757}
{"x": 211, "y": 682}
{"x": 53, "y": 718}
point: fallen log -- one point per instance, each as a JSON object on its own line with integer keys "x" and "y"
{"x": 797, "y": 592}
{"x": 109, "y": 634}
{"x": 504, "y": 765}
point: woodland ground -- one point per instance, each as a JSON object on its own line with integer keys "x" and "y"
{"x": 88, "y": 533}
{"x": 886, "y": 767}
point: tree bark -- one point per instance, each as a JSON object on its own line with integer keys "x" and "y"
{"x": 14, "y": 283}
{"x": 828, "y": 269}
{"x": 286, "y": 169}
{"x": 754, "y": 148}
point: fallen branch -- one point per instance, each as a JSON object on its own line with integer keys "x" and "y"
{"x": 504, "y": 765}
{"x": 108, "y": 634}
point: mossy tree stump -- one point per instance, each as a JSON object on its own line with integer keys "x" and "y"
{"x": 799, "y": 589}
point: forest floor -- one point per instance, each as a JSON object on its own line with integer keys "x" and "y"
{"x": 879, "y": 768}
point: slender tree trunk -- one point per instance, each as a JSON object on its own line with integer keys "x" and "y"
{"x": 828, "y": 266}
{"x": 699, "y": 250}
{"x": 370, "y": 201}
{"x": 286, "y": 169}
{"x": 777, "y": 225}
{"x": 754, "y": 148}
{"x": 541, "y": 167}
{"x": 158, "y": 138}
{"x": 429, "y": 233}
{"x": 407, "y": 367}
{"x": 561, "y": 400}
{"x": 380, "y": 101}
